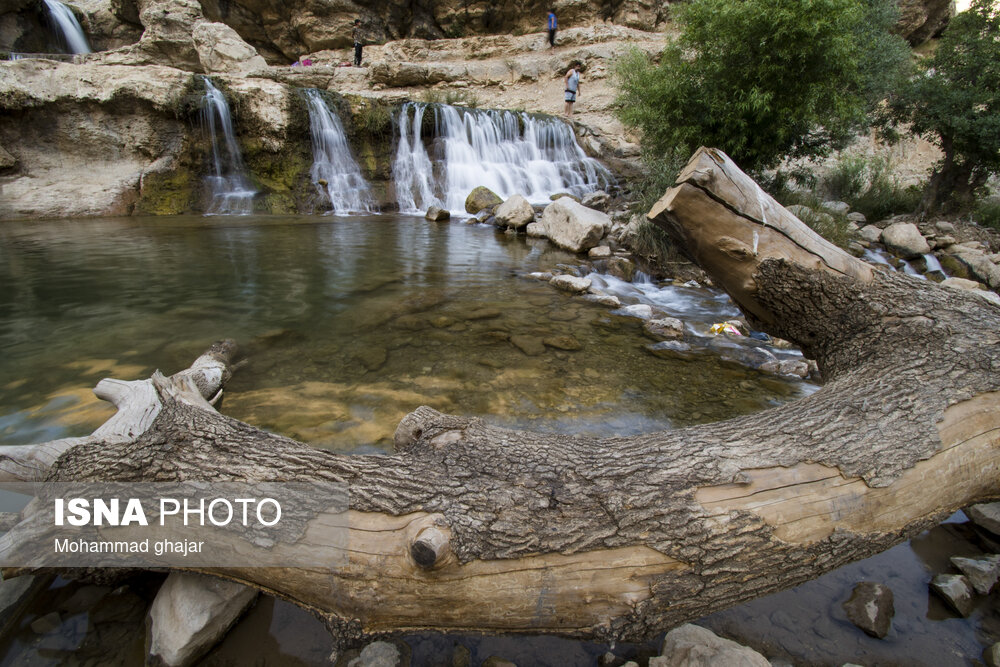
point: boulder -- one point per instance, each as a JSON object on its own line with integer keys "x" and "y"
{"x": 573, "y": 226}
{"x": 597, "y": 200}
{"x": 481, "y": 198}
{"x": 640, "y": 310}
{"x": 982, "y": 573}
{"x": 221, "y": 49}
{"x": 622, "y": 268}
{"x": 836, "y": 207}
{"x": 944, "y": 227}
{"x": 870, "y": 233}
{"x": 857, "y": 217}
{"x": 905, "y": 240}
{"x": 535, "y": 230}
{"x": 571, "y": 283}
{"x": 377, "y": 654}
{"x": 978, "y": 264}
{"x": 991, "y": 655}
{"x": 984, "y": 515}
{"x": 666, "y": 328}
{"x": 190, "y": 614}
{"x": 437, "y": 214}
{"x": 515, "y": 213}
{"x": 599, "y": 252}
{"x": 955, "y": 590}
{"x": 870, "y": 607}
{"x": 920, "y": 20}
{"x": 694, "y": 646}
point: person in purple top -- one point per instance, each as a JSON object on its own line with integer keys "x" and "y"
{"x": 552, "y": 28}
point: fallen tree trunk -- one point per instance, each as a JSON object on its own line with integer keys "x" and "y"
{"x": 470, "y": 527}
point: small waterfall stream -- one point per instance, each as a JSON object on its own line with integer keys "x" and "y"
{"x": 67, "y": 24}
{"x": 231, "y": 193}
{"x": 508, "y": 152}
{"x": 335, "y": 172}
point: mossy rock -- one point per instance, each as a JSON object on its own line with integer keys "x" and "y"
{"x": 955, "y": 267}
{"x": 168, "y": 193}
{"x": 481, "y": 198}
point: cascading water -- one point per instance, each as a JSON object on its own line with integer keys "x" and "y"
{"x": 230, "y": 189}
{"x": 334, "y": 171}
{"x": 510, "y": 153}
{"x": 67, "y": 24}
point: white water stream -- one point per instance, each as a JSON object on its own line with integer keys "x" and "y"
{"x": 231, "y": 192}
{"x": 63, "y": 18}
{"x": 335, "y": 173}
{"x": 509, "y": 153}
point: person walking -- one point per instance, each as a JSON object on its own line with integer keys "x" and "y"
{"x": 572, "y": 81}
{"x": 356, "y": 34}
{"x": 552, "y": 28}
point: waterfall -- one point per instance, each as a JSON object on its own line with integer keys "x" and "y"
{"x": 333, "y": 163}
{"x": 228, "y": 182}
{"x": 67, "y": 24}
{"x": 508, "y": 152}
{"x": 412, "y": 171}
{"x": 933, "y": 264}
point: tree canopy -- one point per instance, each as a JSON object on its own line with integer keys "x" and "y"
{"x": 955, "y": 102}
{"x": 762, "y": 79}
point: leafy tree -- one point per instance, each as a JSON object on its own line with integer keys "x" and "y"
{"x": 762, "y": 79}
{"x": 955, "y": 102}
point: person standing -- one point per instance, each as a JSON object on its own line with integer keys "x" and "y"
{"x": 572, "y": 81}
{"x": 356, "y": 34}
{"x": 552, "y": 28}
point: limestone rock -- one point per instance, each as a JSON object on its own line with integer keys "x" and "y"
{"x": 437, "y": 214}
{"x": 622, "y": 268}
{"x": 640, "y": 310}
{"x": 870, "y": 233}
{"x": 7, "y": 160}
{"x": 904, "y": 239}
{"x": 535, "y": 230}
{"x": 857, "y": 217}
{"x": 666, "y": 328}
{"x": 221, "y": 49}
{"x": 982, "y": 573}
{"x": 599, "y": 252}
{"x": 694, "y": 646}
{"x": 377, "y": 654}
{"x": 571, "y": 283}
{"x": 984, "y": 515}
{"x": 481, "y": 198}
{"x": 515, "y": 213}
{"x": 597, "y": 200}
{"x": 955, "y": 590}
{"x": 836, "y": 207}
{"x": 919, "y": 20}
{"x": 870, "y": 607}
{"x": 572, "y": 226}
{"x": 944, "y": 227}
{"x": 190, "y": 614}
{"x": 978, "y": 265}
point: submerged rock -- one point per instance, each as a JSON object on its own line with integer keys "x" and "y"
{"x": 481, "y": 198}
{"x": 570, "y": 283}
{"x": 694, "y": 646}
{"x": 437, "y": 214}
{"x": 870, "y": 607}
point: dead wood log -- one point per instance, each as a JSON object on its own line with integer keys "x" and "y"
{"x": 470, "y": 527}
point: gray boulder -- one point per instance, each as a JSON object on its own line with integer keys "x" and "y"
{"x": 437, "y": 214}
{"x": 599, "y": 252}
{"x": 694, "y": 646}
{"x": 836, "y": 207}
{"x": 573, "y": 226}
{"x": 535, "y": 230}
{"x": 905, "y": 240}
{"x": 666, "y": 328}
{"x": 190, "y": 614}
{"x": 870, "y": 233}
{"x": 515, "y": 213}
{"x": 984, "y": 515}
{"x": 870, "y": 607}
{"x": 597, "y": 200}
{"x": 377, "y": 654}
{"x": 978, "y": 264}
{"x": 481, "y": 198}
{"x": 955, "y": 590}
{"x": 568, "y": 283}
{"x": 982, "y": 573}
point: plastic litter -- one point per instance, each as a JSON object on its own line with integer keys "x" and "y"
{"x": 724, "y": 328}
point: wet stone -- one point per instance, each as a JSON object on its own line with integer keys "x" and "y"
{"x": 530, "y": 345}
{"x": 378, "y": 654}
{"x": 991, "y": 655}
{"x": 568, "y": 343}
{"x": 870, "y": 607}
{"x": 982, "y": 573}
{"x": 955, "y": 590}
{"x": 47, "y": 623}
{"x": 666, "y": 328}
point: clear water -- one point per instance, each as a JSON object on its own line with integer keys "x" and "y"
{"x": 348, "y": 324}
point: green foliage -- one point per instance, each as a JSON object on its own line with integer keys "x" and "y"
{"x": 661, "y": 173}
{"x": 653, "y": 243}
{"x": 955, "y": 102}
{"x": 374, "y": 118}
{"x": 870, "y": 187}
{"x": 762, "y": 79}
{"x": 987, "y": 214}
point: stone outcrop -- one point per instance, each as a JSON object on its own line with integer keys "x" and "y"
{"x": 515, "y": 213}
{"x": 919, "y": 20}
{"x": 573, "y": 226}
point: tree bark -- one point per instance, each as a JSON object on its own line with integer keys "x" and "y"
{"x": 470, "y": 527}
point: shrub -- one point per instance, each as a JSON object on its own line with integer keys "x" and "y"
{"x": 870, "y": 187}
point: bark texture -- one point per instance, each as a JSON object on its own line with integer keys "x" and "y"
{"x": 477, "y": 528}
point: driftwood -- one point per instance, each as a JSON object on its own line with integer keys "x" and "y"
{"x": 470, "y": 527}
